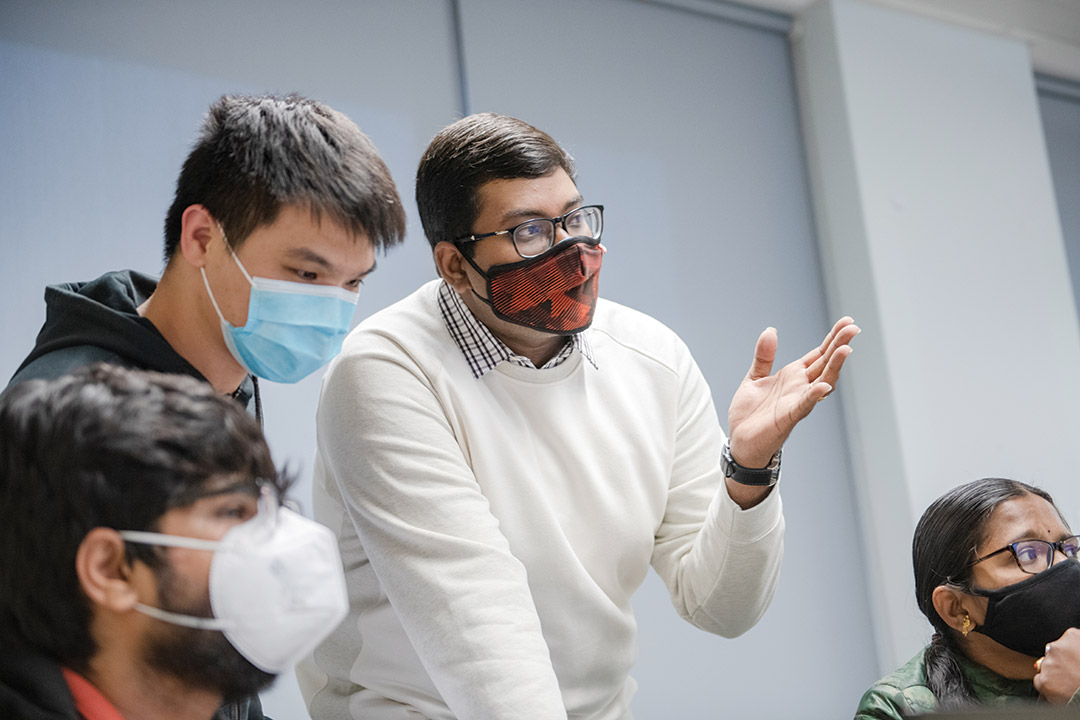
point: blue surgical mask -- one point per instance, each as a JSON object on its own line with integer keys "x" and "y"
{"x": 292, "y": 329}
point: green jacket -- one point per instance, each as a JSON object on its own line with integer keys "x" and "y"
{"x": 904, "y": 693}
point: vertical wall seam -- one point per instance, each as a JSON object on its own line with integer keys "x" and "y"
{"x": 459, "y": 56}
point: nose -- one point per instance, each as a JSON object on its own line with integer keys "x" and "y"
{"x": 560, "y": 234}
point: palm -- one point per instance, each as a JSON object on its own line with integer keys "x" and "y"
{"x": 766, "y": 407}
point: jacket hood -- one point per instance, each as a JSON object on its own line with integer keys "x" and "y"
{"x": 32, "y": 686}
{"x": 103, "y": 313}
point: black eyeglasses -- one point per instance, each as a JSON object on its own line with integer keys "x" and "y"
{"x": 1034, "y": 556}
{"x": 533, "y": 237}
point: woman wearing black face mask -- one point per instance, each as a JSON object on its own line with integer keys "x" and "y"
{"x": 996, "y": 574}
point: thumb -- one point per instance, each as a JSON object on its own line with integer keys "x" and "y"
{"x": 764, "y": 355}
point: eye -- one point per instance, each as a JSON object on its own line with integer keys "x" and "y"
{"x": 1028, "y": 553}
{"x": 307, "y": 275}
{"x": 241, "y": 510}
{"x": 530, "y": 230}
{"x": 1071, "y": 546}
{"x": 354, "y": 285}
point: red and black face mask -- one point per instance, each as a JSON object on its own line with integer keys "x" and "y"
{"x": 554, "y": 292}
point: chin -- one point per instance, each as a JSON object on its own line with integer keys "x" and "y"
{"x": 205, "y": 659}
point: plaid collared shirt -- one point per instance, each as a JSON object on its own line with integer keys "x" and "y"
{"x": 482, "y": 350}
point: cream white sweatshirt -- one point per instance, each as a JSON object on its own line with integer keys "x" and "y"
{"x": 493, "y": 530}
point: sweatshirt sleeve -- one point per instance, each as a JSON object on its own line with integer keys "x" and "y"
{"x": 720, "y": 563}
{"x": 431, "y": 538}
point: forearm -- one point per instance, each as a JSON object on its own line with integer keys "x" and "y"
{"x": 725, "y": 581}
{"x": 720, "y": 562}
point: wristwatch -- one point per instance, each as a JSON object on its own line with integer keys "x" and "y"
{"x": 760, "y": 477}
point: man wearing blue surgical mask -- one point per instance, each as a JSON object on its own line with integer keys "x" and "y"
{"x": 279, "y": 210}
{"x": 156, "y": 575}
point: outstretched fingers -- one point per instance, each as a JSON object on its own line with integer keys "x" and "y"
{"x": 818, "y": 359}
{"x": 822, "y": 387}
{"x": 832, "y": 369}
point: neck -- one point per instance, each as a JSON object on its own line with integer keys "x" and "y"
{"x": 994, "y": 656}
{"x": 539, "y": 350}
{"x": 182, "y": 313}
{"x": 536, "y": 345}
{"x": 136, "y": 691}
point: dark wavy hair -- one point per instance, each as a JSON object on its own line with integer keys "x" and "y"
{"x": 942, "y": 553}
{"x": 255, "y": 155}
{"x": 103, "y": 447}
{"x": 471, "y": 152}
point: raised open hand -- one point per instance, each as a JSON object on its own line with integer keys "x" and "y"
{"x": 766, "y": 407}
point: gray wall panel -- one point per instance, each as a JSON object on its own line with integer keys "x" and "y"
{"x": 1061, "y": 123}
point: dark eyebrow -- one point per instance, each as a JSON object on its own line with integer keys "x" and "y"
{"x": 303, "y": 253}
{"x": 214, "y": 488}
{"x": 531, "y": 214}
{"x": 309, "y": 255}
{"x": 241, "y": 487}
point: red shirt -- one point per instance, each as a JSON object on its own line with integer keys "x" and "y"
{"x": 89, "y": 701}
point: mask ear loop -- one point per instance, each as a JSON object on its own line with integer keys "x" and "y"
{"x": 232, "y": 253}
{"x": 152, "y": 538}
{"x": 191, "y": 621}
{"x": 206, "y": 282}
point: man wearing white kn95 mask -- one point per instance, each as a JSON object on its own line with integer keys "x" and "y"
{"x": 158, "y": 576}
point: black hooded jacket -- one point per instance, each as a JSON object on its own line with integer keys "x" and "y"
{"x": 32, "y": 686}
{"x": 97, "y": 321}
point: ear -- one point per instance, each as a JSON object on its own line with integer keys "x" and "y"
{"x": 103, "y": 570}
{"x": 953, "y": 606}
{"x": 197, "y": 228}
{"x": 450, "y": 264}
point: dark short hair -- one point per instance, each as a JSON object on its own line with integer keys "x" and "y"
{"x": 470, "y": 152}
{"x": 942, "y": 553}
{"x": 104, "y": 447}
{"x": 255, "y": 155}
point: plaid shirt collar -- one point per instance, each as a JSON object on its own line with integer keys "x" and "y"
{"x": 482, "y": 350}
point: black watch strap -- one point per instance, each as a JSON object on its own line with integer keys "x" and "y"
{"x": 759, "y": 477}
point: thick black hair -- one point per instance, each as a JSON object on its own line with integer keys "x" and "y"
{"x": 942, "y": 553}
{"x": 471, "y": 152}
{"x": 103, "y": 447}
{"x": 257, "y": 154}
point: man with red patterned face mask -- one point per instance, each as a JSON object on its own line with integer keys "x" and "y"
{"x": 503, "y": 455}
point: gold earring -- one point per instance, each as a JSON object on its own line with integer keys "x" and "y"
{"x": 967, "y": 625}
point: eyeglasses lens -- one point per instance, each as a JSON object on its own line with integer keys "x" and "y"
{"x": 586, "y": 221}
{"x": 1071, "y": 547}
{"x": 1033, "y": 556}
{"x": 536, "y": 236}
